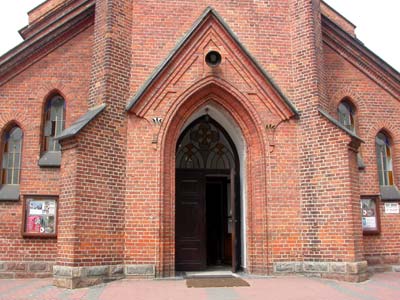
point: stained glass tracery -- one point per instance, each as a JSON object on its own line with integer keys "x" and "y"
{"x": 204, "y": 146}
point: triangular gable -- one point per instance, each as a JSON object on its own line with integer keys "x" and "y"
{"x": 210, "y": 15}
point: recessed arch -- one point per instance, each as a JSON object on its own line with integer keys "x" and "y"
{"x": 8, "y": 125}
{"x": 383, "y": 126}
{"x": 206, "y": 156}
{"x": 220, "y": 115}
{"x": 53, "y": 92}
{"x": 245, "y": 120}
{"x": 348, "y": 93}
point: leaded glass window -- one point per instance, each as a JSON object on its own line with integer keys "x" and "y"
{"x": 11, "y": 156}
{"x": 54, "y": 123}
{"x": 346, "y": 115}
{"x": 204, "y": 146}
{"x": 384, "y": 159}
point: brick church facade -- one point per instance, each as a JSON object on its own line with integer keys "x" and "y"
{"x": 146, "y": 138}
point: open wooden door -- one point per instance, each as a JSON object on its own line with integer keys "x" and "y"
{"x": 190, "y": 239}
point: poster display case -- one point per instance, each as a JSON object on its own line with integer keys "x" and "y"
{"x": 370, "y": 215}
{"x": 40, "y": 216}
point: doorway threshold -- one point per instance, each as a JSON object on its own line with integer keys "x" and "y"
{"x": 212, "y": 271}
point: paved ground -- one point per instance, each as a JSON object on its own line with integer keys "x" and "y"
{"x": 381, "y": 286}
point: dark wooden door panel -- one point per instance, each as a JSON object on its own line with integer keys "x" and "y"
{"x": 190, "y": 243}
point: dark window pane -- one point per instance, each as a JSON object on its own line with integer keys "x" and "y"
{"x": 346, "y": 115}
{"x": 48, "y": 128}
{"x": 11, "y": 156}
{"x": 5, "y": 160}
{"x": 54, "y": 123}
{"x": 384, "y": 159}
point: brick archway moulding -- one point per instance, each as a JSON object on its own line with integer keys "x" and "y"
{"x": 237, "y": 106}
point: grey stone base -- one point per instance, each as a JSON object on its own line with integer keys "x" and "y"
{"x": 143, "y": 271}
{"x": 347, "y": 271}
{"x": 383, "y": 268}
{"x": 77, "y": 277}
{"x": 396, "y": 268}
{"x": 383, "y": 260}
{"x": 26, "y": 269}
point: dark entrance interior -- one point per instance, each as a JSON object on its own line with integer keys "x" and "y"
{"x": 218, "y": 221}
{"x": 207, "y": 223}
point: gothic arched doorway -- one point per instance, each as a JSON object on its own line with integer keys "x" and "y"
{"x": 207, "y": 219}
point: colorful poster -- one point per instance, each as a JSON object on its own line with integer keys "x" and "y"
{"x": 33, "y": 224}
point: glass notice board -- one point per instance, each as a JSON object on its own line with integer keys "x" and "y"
{"x": 40, "y": 217}
{"x": 370, "y": 215}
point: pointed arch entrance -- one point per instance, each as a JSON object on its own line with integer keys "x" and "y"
{"x": 207, "y": 218}
{"x": 242, "y": 122}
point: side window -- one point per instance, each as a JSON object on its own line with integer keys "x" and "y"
{"x": 11, "y": 156}
{"x": 54, "y": 123}
{"x": 346, "y": 113}
{"x": 384, "y": 159}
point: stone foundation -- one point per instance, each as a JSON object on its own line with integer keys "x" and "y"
{"x": 383, "y": 260}
{"x": 140, "y": 271}
{"x": 26, "y": 269}
{"x": 347, "y": 271}
{"x": 77, "y": 277}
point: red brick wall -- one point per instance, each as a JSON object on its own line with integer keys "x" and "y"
{"x": 262, "y": 26}
{"x": 22, "y": 98}
{"x": 326, "y": 208}
{"x": 283, "y": 196}
{"x": 99, "y": 187}
{"x": 117, "y": 177}
{"x": 375, "y": 110}
{"x": 286, "y": 223}
{"x": 145, "y": 174}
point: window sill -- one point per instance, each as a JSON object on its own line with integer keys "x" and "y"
{"x": 50, "y": 159}
{"x": 389, "y": 193}
{"x": 9, "y": 192}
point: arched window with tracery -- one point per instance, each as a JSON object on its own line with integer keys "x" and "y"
{"x": 204, "y": 146}
{"x": 11, "y": 156}
{"x": 384, "y": 159}
{"x": 346, "y": 113}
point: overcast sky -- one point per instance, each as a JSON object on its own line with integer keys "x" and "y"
{"x": 378, "y": 24}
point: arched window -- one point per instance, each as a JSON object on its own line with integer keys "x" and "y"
{"x": 204, "y": 146}
{"x": 346, "y": 114}
{"x": 384, "y": 159}
{"x": 54, "y": 123}
{"x": 11, "y": 156}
